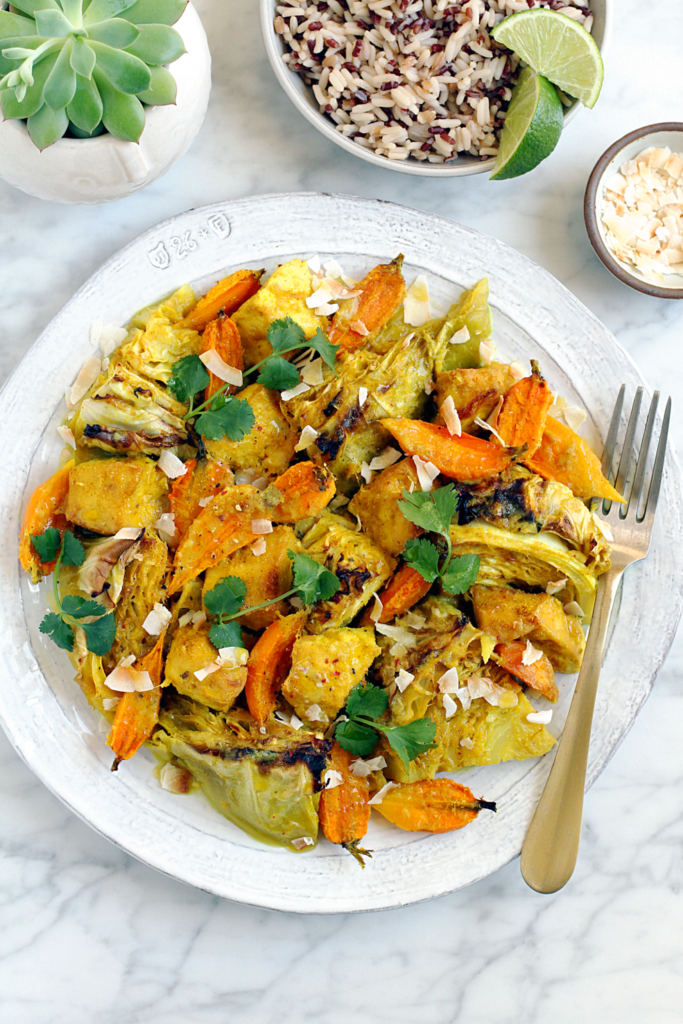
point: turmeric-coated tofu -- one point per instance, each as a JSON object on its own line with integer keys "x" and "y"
{"x": 283, "y": 295}
{"x": 376, "y": 505}
{"x": 266, "y": 576}
{"x": 191, "y": 650}
{"x": 269, "y": 445}
{"x": 326, "y": 668}
{"x": 107, "y": 494}
{"x": 509, "y": 614}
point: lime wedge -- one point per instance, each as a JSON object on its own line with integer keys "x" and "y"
{"x": 532, "y": 127}
{"x": 556, "y": 47}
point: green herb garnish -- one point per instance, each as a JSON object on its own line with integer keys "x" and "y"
{"x": 433, "y": 511}
{"x": 357, "y": 733}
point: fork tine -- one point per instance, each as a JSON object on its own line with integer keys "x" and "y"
{"x": 610, "y": 442}
{"x": 627, "y": 450}
{"x": 642, "y": 461}
{"x": 657, "y": 472}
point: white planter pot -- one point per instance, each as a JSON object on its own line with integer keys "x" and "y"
{"x": 105, "y": 168}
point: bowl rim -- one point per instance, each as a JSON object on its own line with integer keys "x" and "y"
{"x": 320, "y": 122}
{"x": 590, "y": 214}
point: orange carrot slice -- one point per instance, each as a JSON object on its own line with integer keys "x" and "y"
{"x": 344, "y": 810}
{"x": 565, "y": 457}
{"x": 466, "y": 458}
{"x": 269, "y": 662}
{"x": 137, "y": 713}
{"x": 222, "y": 336}
{"x": 382, "y": 292}
{"x": 524, "y": 412}
{"x": 405, "y": 589}
{"x": 539, "y": 676}
{"x": 202, "y": 479}
{"x": 306, "y": 490}
{"x": 228, "y": 295}
{"x": 44, "y": 510}
{"x": 433, "y": 805}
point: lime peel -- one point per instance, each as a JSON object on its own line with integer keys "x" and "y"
{"x": 532, "y": 128}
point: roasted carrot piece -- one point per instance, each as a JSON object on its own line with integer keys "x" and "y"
{"x": 137, "y": 713}
{"x": 269, "y": 662}
{"x": 524, "y": 412}
{"x": 222, "y": 336}
{"x": 228, "y": 295}
{"x": 405, "y": 589}
{"x": 344, "y": 810}
{"x": 564, "y": 456}
{"x": 220, "y": 528}
{"x": 433, "y": 805}
{"x": 43, "y": 511}
{"x": 466, "y": 458}
{"x": 306, "y": 490}
{"x": 381, "y": 293}
{"x": 539, "y": 676}
{"x": 201, "y": 480}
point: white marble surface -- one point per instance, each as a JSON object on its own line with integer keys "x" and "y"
{"x": 87, "y": 934}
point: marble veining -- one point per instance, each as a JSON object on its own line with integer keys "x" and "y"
{"x": 88, "y": 934}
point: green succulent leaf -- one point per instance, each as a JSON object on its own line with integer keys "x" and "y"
{"x": 157, "y": 44}
{"x": 85, "y": 109}
{"x": 122, "y": 115}
{"x": 53, "y": 24}
{"x": 13, "y": 26}
{"x": 115, "y": 32}
{"x": 78, "y": 133}
{"x": 100, "y": 10}
{"x": 47, "y": 126}
{"x": 9, "y": 63}
{"x": 156, "y": 12}
{"x": 82, "y": 57}
{"x": 31, "y": 6}
{"x": 163, "y": 89}
{"x": 33, "y": 100}
{"x": 73, "y": 10}
{"x": 61, "y": 82}
{"x": 126, "y": 73}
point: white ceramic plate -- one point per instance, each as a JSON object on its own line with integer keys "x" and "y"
{"x": 48, "y": 719}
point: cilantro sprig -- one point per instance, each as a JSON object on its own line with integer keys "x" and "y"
{"x": 357, "y": 732}
{"x": 433, "y": 511}
{"x": 72, "y": 611}
{"x": 312, "y": 582}
{"x": 223, "y": 415}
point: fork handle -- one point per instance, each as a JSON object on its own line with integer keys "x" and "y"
{"x": 552, "y": 842}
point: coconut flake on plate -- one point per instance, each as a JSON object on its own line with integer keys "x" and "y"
{"x": 198, "y": 618}
{"x": 208, "y": 670}
{"x": 126, "y": 679}
{"x": 171, "y": 465}
{"x": 517, "y": 370}
{"x": 287, "y": 396}
{"x": 306, "y": 438}
{"x": 487, "y": 426}
{"x": 332, "y": 779}
{"x": 158, "y": 618}
{"x": 385, "y": 459}
{"x": 219, "y": 368}
{"x": 403, "y": 679}
{"x": 574, "y": 417}
{"x": 316, "y": 714}
{"x": 487, "y": 351}
{"x": 314, "y": 264}
{"x": 573, "y": 608}
{"x": 165, "y": 524}
{"x": 556, "y": 587}
{"x": 67, "y": 435}
{"x": 449, "y": 705}
{"x": 427, "y": 473}
{"x": 449, "y": 682}
{"x": 603, "y": 527}
{"x": 459, "y": 337}
{"x": 467, "y": 743}
{"x": 358, "y": 327}
{"x": 540, "y": 717}
{"x": 312, "y": 373}
{"x": 401, "y": 637}
{"x": 110, "y": 703}
{"x": 87, "y": 375}
{"x": 232, "y": 657}
{"x": 416, "y": 306}
{"x": 185, "y": 619}
{"x": 366, "y": 472}
{"x": 174, "y": 779}
{"x": 362, "y": 769}
{"x": 377, "y": 610}
{"x": 362, "y": 397}
{"x": 261, "y": 526}
{"x": 450, "y": 417}
{"x": 302, "y": 842}
{"x": 531, "y": 654}
{"x": 259, "y": 547}
{"x": 381, "y": 793}
{"x": 107, "y": 336}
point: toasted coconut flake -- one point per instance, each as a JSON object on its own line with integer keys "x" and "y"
{"x": 107, "y": 336}
{"x": 110, "y": 703}
{"x": 555, "y": 588}
{"x": 87, "y": 376}
{"x": 416, "y": 305}
{"x": 287, "y": 396}
{"x": 332, "y": 779}
{"x": 198, "y": 618}
{"x": 403, "y": 679}
{"x": 450, "y": 417}
{"x": 125, "y": 679}
{"x": 362, "y": 768}
{"x": 314, "y": 264}
{"x": 427, "y": 473}
{"x": 174, "y": 779}
{"x": 464, "y": 696}
{"x": 603, "y": 528}
{"x": 208, "y": 670}
{"x": 487, "y": 426}
{"x": 219, "y": 368}
{"x": 491, "y": 692}
{"x": 67, "y": 436}
{"x": 313, "y": 373}
{"x": 460, "y": 337}
{"x": 414, "y": 621}
{"x": 362, "y": 397}
{"x": 165, "y": 524}
{"x": 185, "y": 619}
{"x": 531, "y": 654}
{"x": 232, "y": 657}
{"x": 302, "y": 842}
{"x": 574, "y": 416}
{"x": 365, "y": 472}
{"x": 487, "y": 352}
{"x": 540, "y": 717}
{"x": 157, "y": 620}
{"x": 377, "y": 610}
{"x": 398, "y": 634}
{"x": 449, "y": 705}
{"x": 573, "y": 608}
{"x": 316, "y": 714}
{"x": 307, "y": 437}
{"x": 492, "y": 418}
{"x": 261, "y": 526}
{"x": 171, "y": 465}
{"x": 338, "y": 502}
{"x": 430, "y": 386}
{"x": 467, "y": 743}
{"x": 358, "y": 327}
{"x": 385, "y": 459}
{"x": 380, "y": 794}
{"x": 259, "y": 548}
{"x": 449, "y": 682}
{"x": 517, "y": 370}
{"x": 203, "y": 502}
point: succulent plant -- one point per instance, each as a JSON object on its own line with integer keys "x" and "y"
{"x": 87, "y": 66}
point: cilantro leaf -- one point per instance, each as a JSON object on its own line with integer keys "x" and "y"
{"x": 100, "y": 635}
{"x": 226, "y": 417}
{"x": 324, "y": 347}
{"x": 189, "y": 376}
{"x": 355, "y": 737}
{"x": 46, "y": 544}
{"x": 368, "y": 700}
{"x": 424, "y": 556}
{"x": 312, "y": 581}
{"x": 278, "y": 375}
{"x": 226, "y": 598}
{"x": 226, "y": 634}
{"x": 285, "y": 334}
{"x": 73, "y": 552}
{"x": 80, "y": 607}
{"x": 411, "y": 740}
{"x": 59, "y": 631}
{"x": 461, "y": 574}
{"x": 432, "y": 510}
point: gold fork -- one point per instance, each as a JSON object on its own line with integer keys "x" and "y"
{"x": 552, "y": 842}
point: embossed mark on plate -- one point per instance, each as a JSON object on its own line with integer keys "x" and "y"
{"x": 179, "y": 246}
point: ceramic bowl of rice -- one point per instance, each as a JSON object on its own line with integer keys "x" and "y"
{"x": 417, "y": 86}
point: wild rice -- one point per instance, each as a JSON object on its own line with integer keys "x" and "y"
{"x": 418, "y": 79}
